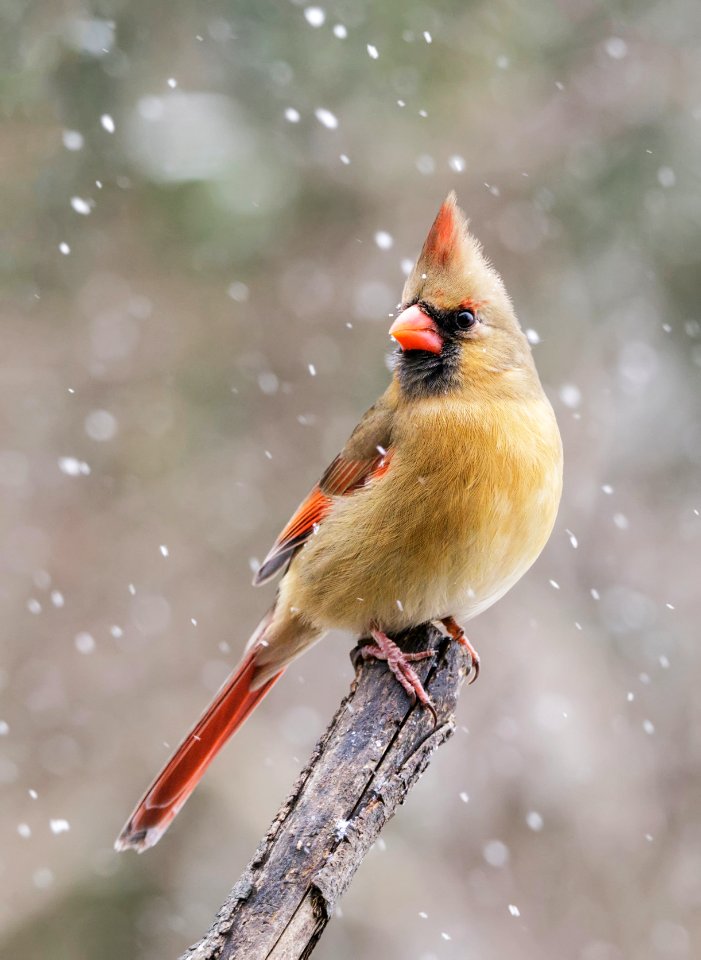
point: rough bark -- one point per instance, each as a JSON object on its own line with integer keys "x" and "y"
{"x": 372, "y": 753}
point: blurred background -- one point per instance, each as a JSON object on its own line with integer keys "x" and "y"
{"x": 208, "y": 213}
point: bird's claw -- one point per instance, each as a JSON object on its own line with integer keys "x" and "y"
{"x": 458, "y": 634}
{"x": 399, "y": 663}
{"x": 474, "y": 667}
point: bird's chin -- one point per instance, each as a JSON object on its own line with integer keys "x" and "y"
{"x": 411, "y": 356}
{"x": 421, "y": 373}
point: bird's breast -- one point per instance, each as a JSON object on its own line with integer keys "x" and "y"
{"x": 463, "y": 511}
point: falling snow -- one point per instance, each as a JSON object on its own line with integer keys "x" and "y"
{"x": 534, "y": 821}
{"x": 616, "y": 48}
{"x": 496, "y": 853}
{"x": 73, "y": 467}
{"x": 326, "y": 118}
{"x": 84, "y": 642}
{"x": 570, "y": 395}
{"x": 43, "y": 878}
{"x": 101, "y": 425}
{"x": 666, "y": 177}
{"x": 238, "y": 291}
{"x": 268, "y": 382}
{"x": 72, "y": 140}
{"x": 315, "y": 16}
{"x": 81, "y": 206}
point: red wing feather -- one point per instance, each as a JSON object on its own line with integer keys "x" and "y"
{"x": 301, "y": 526}
{"x": 342, "y": 477}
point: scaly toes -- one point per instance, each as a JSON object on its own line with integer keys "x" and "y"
{"x": 384, "y": 648}
{"x": 370, "y": 651}
{"x": 421, "y": 655}
{"x": 409, "y": 679}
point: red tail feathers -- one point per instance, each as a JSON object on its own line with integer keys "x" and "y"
{"x": 174, "y": 784}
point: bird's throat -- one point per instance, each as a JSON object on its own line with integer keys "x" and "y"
{"x": 423, "y": 374}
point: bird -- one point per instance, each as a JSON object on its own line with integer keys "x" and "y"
{"x": 442, "y": 498}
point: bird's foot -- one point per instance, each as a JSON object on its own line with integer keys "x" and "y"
{"x": 384, "y": 648}
{"x": 457, "y": 633}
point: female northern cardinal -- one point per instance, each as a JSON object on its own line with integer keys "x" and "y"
{"x": 442, "y": 498}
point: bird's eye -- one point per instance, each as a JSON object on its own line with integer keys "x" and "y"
{"x": 465, "y": 319}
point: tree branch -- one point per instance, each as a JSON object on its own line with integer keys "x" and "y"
{"x": 371, "y": 755}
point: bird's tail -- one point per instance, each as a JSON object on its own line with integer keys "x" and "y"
{"x": 161, "y": 803}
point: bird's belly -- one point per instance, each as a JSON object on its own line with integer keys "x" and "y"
{"x": 373, "y": 561}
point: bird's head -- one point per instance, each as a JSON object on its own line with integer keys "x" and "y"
{"x": 456, "y": 325}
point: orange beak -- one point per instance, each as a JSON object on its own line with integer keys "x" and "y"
{"x": 415, "y": 330}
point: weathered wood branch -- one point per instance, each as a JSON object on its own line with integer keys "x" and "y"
{"x": 372, "y": 753}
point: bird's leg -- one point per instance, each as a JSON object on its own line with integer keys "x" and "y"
{"x": 399, "y": 663}
{"x": 457, "y": 633}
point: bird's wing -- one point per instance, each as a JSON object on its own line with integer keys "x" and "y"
{"x": 365, "y": 457}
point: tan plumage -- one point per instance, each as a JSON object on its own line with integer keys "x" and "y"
{"x": 472, "y": 491}
{"x": 443, "y": 497}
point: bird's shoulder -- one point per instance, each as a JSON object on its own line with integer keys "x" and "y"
{"x": 367, "y": 449}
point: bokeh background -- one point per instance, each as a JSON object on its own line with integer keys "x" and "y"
{"x": 208, "y": 212}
